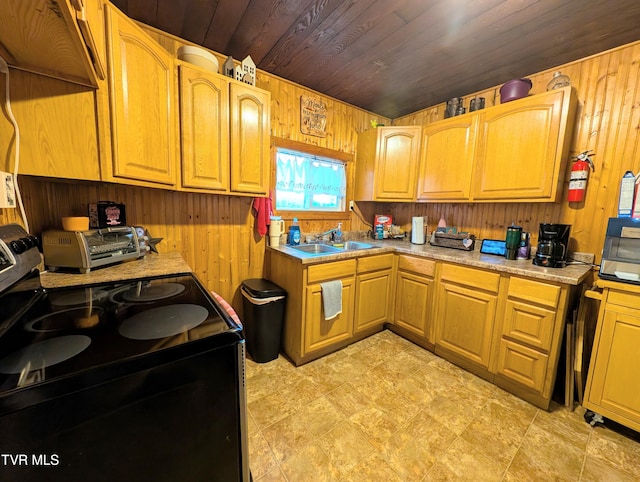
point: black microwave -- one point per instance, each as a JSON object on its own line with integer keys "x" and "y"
{"x": 621, "y": 251}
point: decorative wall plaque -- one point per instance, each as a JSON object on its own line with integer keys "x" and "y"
{"x": 313, "y": 116}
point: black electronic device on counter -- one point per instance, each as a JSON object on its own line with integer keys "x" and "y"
{"x": 497, "y": 247}
{"x": 106, "y": 214}
{"x": 553, "y": 245}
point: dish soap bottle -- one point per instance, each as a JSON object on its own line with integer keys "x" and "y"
{"x": 338, "y": 236}
{"x": 294, "y": 233}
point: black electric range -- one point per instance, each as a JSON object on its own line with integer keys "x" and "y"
{"x": 134, "y": 380}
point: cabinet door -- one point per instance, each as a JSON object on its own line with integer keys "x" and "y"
{"x": 42, "y": 36}
{"x": 250, "y": 158}
{"x": 448, "y": 150}
{"x": 413, "y": 303}
{"x": 529, "y": 324}
{"x": 521, "y": 147}
{"x": 526, "y": 366}
{"x": 141, "y": 90}
{"x": 465, "y": 322}
{"x": 372, "y": 299}
{"x": 204, "y": 121}
{"x": 397, "y": 154}
{"x": 613, "y": 377}
{"x": 320, "y": 333}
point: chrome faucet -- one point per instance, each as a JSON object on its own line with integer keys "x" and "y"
{"x": 326, "y": 233}
{"x": 334, "y": 232}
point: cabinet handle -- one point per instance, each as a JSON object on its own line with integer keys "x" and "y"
{"x": 594, "y": 295}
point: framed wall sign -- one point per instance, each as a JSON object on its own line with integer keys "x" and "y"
{"x": 313, "y": 116}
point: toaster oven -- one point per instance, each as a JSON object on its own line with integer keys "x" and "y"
{"x": 85, "y": 250}
{"x": 621, "y": 251}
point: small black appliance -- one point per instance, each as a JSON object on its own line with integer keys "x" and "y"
{"x": 553, "y": 242}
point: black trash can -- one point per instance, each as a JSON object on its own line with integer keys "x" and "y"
{"x": 263, "y": 305}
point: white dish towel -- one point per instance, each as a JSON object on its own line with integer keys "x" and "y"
{"x": 331, "y": 298}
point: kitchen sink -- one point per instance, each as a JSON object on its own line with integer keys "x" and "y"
{"x": 316, "y": 248}
{"x": 351, "y": 245}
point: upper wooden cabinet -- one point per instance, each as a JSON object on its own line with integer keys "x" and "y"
{"x": 250, "y": 135}
{"x": 448, "y": 152}
{"x": 58, "y": 135}
{"x": 204, "y": 129}
{"x": 387, "y": 164}
{"x": 224, "y": 133}
{"x": 522, "y": 148}
{"x": 57, "y": 38}
{"x": 141, "y": 96}
{"x": 512, "y": 152}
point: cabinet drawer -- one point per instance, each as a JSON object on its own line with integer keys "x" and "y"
{"x": 470, "y": 277}
{"x": 529, "y": 324}
{"x": 421, "y": 266}
{"x": 523, "y": 365}
{"x": 328, "y": 271}
{"x": 534, "y": 291}
{"x": 373, "y": 263}
{"x": 630, "y": 300}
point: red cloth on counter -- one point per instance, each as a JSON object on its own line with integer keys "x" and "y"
{"x": 262, "y": 210}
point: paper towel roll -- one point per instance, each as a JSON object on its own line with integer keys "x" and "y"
{"x": 417, "y": 230}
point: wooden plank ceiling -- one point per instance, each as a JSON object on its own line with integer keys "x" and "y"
{"x": 394, "y": 57}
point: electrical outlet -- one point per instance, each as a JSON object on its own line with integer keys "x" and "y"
{"x": 351, "y": 205}
{"x": 7, "y": 190}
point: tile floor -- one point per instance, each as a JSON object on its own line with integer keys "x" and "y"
{"x": 387, "y": 410}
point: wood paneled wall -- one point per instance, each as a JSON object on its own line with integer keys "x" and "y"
{"x": 607, "y": 122}
{"x": 215, "y": 233}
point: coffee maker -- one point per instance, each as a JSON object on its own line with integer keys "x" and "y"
{"x": 553, "y": 242}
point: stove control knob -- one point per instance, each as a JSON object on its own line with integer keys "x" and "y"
{"x": 18, "y": 246}
{"x": 32, "y": 241}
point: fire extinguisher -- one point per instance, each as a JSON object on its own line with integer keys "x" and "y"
{"x": 579, "y": 175}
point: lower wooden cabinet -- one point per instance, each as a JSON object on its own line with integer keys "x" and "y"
{"x": 532, "y": 330}
{"x": 414, "y": 296}
{"x": 365, "y": 302}
{"x": 523, "y": 365}
{"x": 612, "y": 383}
{"x": 374, "y": 281}
{"x": 507, "y": 329}
{"x": 467, "y": 300}
{"x": 318, "y": 332}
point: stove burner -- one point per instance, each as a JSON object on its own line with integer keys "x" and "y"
{"x": 78, "y": 297}
{"x": 163, "y": 321}
{"x": 44, "y": 354}
{"x": 153, "y": 292}
{"x": 67, "y": 319}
